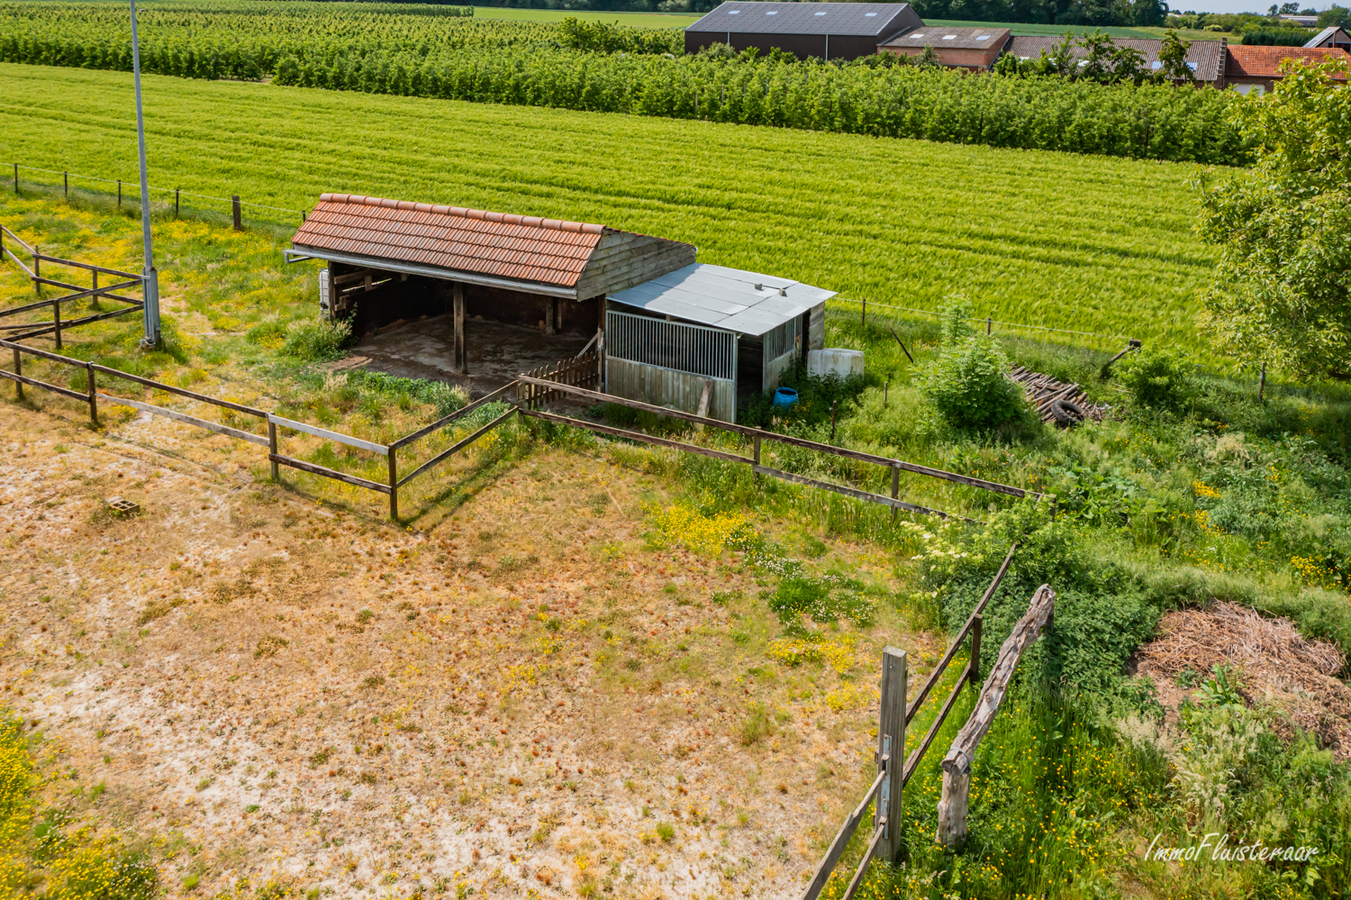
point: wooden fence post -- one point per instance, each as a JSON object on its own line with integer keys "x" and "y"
{"x": 393, "y": 487}
{"x": 952, "y": 808}
{"x": 989, "y": 324}
{"x": 272, "y": 448}
{"x": 832, "y": 422}
{"x": 119, "y": 193}
{"x": 56, "y": 320}
{"x": 16, "y": 179}
{"x": 863, "y": 317}
{"x": 37, "y": 271}
{"x": 65, "y": 182}
{"x": 176, "y": 202}
{"x": 895, "y": 488}
{"x": 756, "y": 441}
{"x": 974, "y": 666}
{"x": 18, "y": 370}
{"x": 239, "y": 222}
{"x": 891, "y": 750}
{"x": 93, "y": 396}
{"x": 460, "y": 362}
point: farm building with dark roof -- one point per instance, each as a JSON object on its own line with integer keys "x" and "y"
{"x": 823, "y": 30}
{"x": 975, "y": 49}
{"x": 1206, "y": 59}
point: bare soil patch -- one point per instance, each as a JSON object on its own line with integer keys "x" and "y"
{"x": 526, "y": 696}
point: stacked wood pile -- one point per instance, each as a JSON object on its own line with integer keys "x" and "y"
{"x": 1064, "y": 404}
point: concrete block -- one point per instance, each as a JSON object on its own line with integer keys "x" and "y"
{"x": 834, "y": 361}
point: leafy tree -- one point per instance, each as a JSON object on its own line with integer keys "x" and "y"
{"x": 1282, "y": 289}
{"x": 1335, "y": 15}
{"x": 1173, "y": 60}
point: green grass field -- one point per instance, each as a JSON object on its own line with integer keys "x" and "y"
{"x": 1084, "y": 243}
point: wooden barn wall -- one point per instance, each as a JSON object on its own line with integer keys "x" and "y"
{"x": 623, "y": 260}
{"x": 667, "y": 387}
{"x": 816, "y": 328}
{"x": 414, "y": 296}
{"x": 520, "y": 308}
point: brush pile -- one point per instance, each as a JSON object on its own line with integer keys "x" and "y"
{"x": 1064, "y": 404}
{"x": 1276, "y": 663}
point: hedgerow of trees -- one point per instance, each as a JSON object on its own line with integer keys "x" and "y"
{"x": 607, "y": 68}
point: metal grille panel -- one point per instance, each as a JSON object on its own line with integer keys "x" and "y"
{"x": 710, "y": 352}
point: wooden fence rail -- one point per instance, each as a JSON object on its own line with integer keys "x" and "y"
{"x": 391, "y": 487}
{"x": 952, "y": 808}
{"x": 894, "y": 718}
{"x": 542, "y": 388}
{"x": 539, "y": 386}
{"x": 33, "y": 270}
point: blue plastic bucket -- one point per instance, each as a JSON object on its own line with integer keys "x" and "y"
{"x": 784, "y": 398}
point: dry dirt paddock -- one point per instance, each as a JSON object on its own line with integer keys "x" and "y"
{"x": 527, "y": 699}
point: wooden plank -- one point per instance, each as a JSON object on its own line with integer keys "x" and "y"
{"x": 83, "y": 320}
{"x": 84, "y": 292}
{"x": 459, "y": 413}
{"x": 836, "y": 849}
{"x": 806, "y": 444}
{"x": 961, "y": 635}
{"x": 458, "y": 446}
{"x": 87, "y": 266}
{"x": 336, "y": 437}
{"x": 18, "y": 240}
{"x": 460, "y": 359}
{"x": 44, "y": 354}
{"x": 952, "y": 808}
{"x": 868, "y": 855}
{"x": 27, "y": 307}
{"x": 24, "y": 379}
{"x": 891, "y": 748}
{"x": 182, "y": 392}
{"x": 187, "y": 420}
{"x": 328, "y": 473}
{"x": 18, "y": 262}
{"x": 857, "y": 494}
{"x": 913, "y": 761}
{"x": 635, "y": 436}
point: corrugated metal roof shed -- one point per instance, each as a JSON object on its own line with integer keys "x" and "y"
{"x": 1332, "y": 36}
{"x": 745, "y": 302}
{"x": 863, "y": 19}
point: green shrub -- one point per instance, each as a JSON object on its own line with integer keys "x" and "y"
{"x": 1156, "y": 378}
{"x": 968, "y": 386}
{"x": 317, "y": 341}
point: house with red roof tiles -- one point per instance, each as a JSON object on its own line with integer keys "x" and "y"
{"x": 1258, "y": 68}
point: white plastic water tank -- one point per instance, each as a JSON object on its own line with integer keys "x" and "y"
{"x": 834, "y": 361}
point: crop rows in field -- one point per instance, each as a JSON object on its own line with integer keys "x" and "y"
{"x": 644, "y": 73}
{"x": 1086, "y": 243}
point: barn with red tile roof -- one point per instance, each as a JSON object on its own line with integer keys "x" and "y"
{"x": 390, "y": 260}
{"x": 1253, "y": 67}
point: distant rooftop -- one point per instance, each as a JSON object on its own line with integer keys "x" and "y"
{"x": 980, "y": 38}
{"x": 853, "y": 19}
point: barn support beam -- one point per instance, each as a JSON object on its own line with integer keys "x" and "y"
{"x": 461, "y": 361}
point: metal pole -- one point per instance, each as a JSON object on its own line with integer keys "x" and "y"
{"x": 151, "y": 286}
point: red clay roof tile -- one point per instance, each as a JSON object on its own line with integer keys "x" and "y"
{"x": 527, "y": 248}
{"x": 1257, "y": 61}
